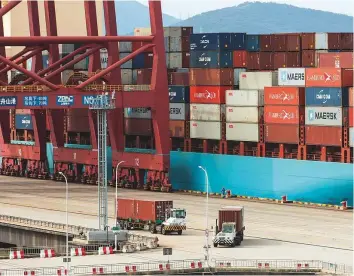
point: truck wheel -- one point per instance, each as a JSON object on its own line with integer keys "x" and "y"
{"x": 215, "y": 245}
{"x": 163, "y": 230}
{"x": 238, "y": 241}
{"x": 233, "y": 243}
{"x": 152, "y": 229}
{"x": 179, "y": 232}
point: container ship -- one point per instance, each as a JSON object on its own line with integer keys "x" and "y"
{"x": 266, "y": 115}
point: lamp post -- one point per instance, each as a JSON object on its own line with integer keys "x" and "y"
{"x": 67, "y": 222}
{"x": 206, "y": 214}
{"x": 116, "y": 212}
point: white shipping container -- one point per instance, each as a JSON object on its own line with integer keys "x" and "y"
{"x": 137, "y": 112}
{"x": 323, "y": 116}
{"x": 244, "y": 97}
{"x": 291, "y": 77}
{"x": 142, "y": 31}
{"x": 242, "y": 132}
{"x": 167, "y": 60}
{"x": 321, "y": 41}
{"x": 104, "y": 60}
{"x": 178, "y": 111}
{"x": 207, "y": 112}
{"x": 127, "y": 76}
{"x": 176, "y": 44}
{"x": 242, "y": 114}
{"x": 168, "y": 31}
{"x": 135, "y": 76}
{"x": 351, "y": 136}
{"x": 66, "y": 48}
{"x": 82, "y": 64}
{"x": 167, "y": 44}
{"x": 205, "y": 130}
{"x": 125, "y": 47}
{"x": 237, "y": 72}
{"x": 65, "y": 75}
{"x": 258, "y": 80}
{"x": 175, "y": 60}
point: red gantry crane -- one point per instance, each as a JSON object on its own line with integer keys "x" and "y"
{"x": 42, "y": 91}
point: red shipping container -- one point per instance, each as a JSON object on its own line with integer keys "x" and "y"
{"x": 283, "y": 114}
{"x": 253, "y": 61}
{"x": 148, "y": 60}
{"x": 185, "y": 59}
{"x": 143, "y": 76}
{"x": 134, "y": 126}
{"x": 177, "y": 128}
{"x": 323, "y": 135}
{"x": 293, "y": 42}
{"x": 351, "y": 96}
{"x": 279, "y": 42}
{"x": 142, "y": 210}
{"x": 137, "y": 45}
{"x": 77, "y": 120}
{"x": 346, "y": 41}
{"x": 179, "y": 78}
{"x": 23, "y": 111}
{"x": 260, "y": 61}
{"x": 208, "y": 94}
{"x": 329, "y": 77}
{"x": 187, "y": 31}
{"x": 265, "y": 43}
{"x": 282, "y": 95}
{"x": 276, "y": 133}
{"x": 280, "y": 60}
{"x": 185, "y": 43}
{"x": 308, "y": 58}
{"x": 333, "y": 41}
{"x": 233, "y": 214}
{"x": 218, "y": 77}
{"x": 308, "y": 41}
{"x": 240, "y": 59}
{"x": 293, "y": 59}
{"x": 350, "y": 115}
{"x": 336, "y": 60}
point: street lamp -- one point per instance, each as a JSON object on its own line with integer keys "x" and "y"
{"x": 116, "y": 212}
{"x": 206, "y": 214}
{"x": 67, "y": 221}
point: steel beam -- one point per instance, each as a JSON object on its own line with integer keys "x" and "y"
{"x": 10, "y": 5}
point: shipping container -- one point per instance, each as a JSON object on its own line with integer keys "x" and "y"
{"x": 240, "y": 59}
{"x": 329, "y": 77}
{"x": 186, "y": 57}
{"x": 142, "y": 210}
{"x": 280, "y": 60}
{"x": 278, "y": 133}
{"x": 208, "y": 94}
{"x": 237, "y": 72}
{"x": 217, "y": 77}
{"x": 148, "y": 60}
{"x": 244, "y": 98}
{"x": 185, "y": 43}
{"x": 238, "y": 41}
{"x": 175, "y": 60}
{"x": 23, "y": 122}
{"x": 177, "y": 129}
{"x": 22, "y": 111}
{"x": 346, "y": 41}
{"x": 210, "y": 42}
{"x": 125, "y": 47}
{"x": 351, "y": 96}
{"x": 178, "y": 94}
{"x": 321, "y": 41}
{"x": 260, "y": 61}
{"x": 252, "y": 43}
{"x": 336, "y": 60}
{"x": 232, "y": 214}
{"x": 349, "y": 113}
{"x": 143, "y": 76}
{"x": 211, "y": 59}
{"x": 205, "y": 130}
{"x": 242, "y": 132}
{"x": 134, "y": 126}
{"x": 207, "y": 112}
{"x": 127, "y": 76}
{"x": 176, "y": 44}
{"x": 293, "y": 42}
{"x": 258, "y": 80}
{"x": 137, "y": 112}
{"x": 138, "y": 44}
{"x": 291, "y": 77}
{"x": 243, "y": 114}
{"x": 179, "y": 78}
{"x": 309, "y": 58}
{"x": 178, "y": 31}
{"x": 77, "y": 120}
{"x": 287, "y": 59}
{"x": 104, "y": 60}
{"x": 327, "y": 96}
{"x": 284, "y": 95}
{"x": 323, "y": 116}
{"x": 279, "y": 42}
{"x": 266, "y": 43}
{"x": 179, "y": 111}
{"x": 167, "y": 44}
{"x": 334, "y": 41}
{"x": 283, "y": 114}
{"x": 308, "y": 41}
{"x": 138, "y": 61}
{"x": 142, "y": 31}
{"x": 323, "y": 135}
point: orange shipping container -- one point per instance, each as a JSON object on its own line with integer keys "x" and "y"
{"x": 283, "y": 114}
{"x": 177, "y": 128}
{"x": 336, "y": 60}
{"x": 278, "y": 95}
{"x": 329, "y": 77}
{"x": 351, "y": 96}
{"x": 351, "y": 119}
{"x": 208, "y": 94}
{"x": 240, "y": 59}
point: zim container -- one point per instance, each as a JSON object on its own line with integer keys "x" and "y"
{"x": 177, "y": 128}
{"x": 323, "y": 135}
{"x": 217, "y": 77}
{"x": 134, "y": 126}
{"x": 208, "y": 94}
{"x": 242, "y": 132}
{"x": 205, "y": 130}
{"x": 278, "y": 133}
{"x": 283, "y": 114}
{"x": 284, "y": 95}
{"x": 329, "y": 77}
{"x": 327, "y": 96}
{"x": 211, "y": 59}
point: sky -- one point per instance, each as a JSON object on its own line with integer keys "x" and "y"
{"x": 186, "y": 8}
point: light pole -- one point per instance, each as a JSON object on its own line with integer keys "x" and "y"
{"x": 206, "y": 214}
{"x": 67, "y": 222}
{"x": 116, "y": 212}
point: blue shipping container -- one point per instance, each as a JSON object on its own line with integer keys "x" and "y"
{"x": 178, "y": 93}
{"x": 252, "y": 42}
{"x": 326, "y": 96}
{"x": 211, "y": 59}
{"x": 238, "y": 41}
{"x": 139, "y": 61}
{"x": 23, "y": 122}
{"x": 210, "y": 41}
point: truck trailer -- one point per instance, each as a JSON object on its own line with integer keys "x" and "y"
{"x": 153, "y": 215}
{"x": 229, "y": 226}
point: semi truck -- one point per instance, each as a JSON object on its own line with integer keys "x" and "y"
{"x": 229, "y": 226}
{"x": 153, "y": 215}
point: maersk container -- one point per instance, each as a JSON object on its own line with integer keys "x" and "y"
{"x": 323, "y": 116}
{"x": 207, "y": 112}
{"x": 252, "y": 43}
{"x": 258, "y": 80}
{"x": 326, "y": 96}
{"x": 137, "y": 112}
{"x": 138, "y": 61}
{"x": 179, "y": 111}
{"x": 23, "y": 122}
{"x": 321, "y": 41}
{"x": 291, "y": 77}
{"x": 211, "y": 59}
{"x": 210, "y": 42}
{"x": 242, "y": 114}
{"x": 205, "y": 130}
{"x": 244, "y": 97}
{"x": 238, "y": 41}
{"x": 178, "y": 94}
{"x": 237, "y": 72}
{"x": 242, "y": 132}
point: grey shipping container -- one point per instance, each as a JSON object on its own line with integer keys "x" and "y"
{"x": 179, "y": 111}
{"x": 323, "y": 116}
{"x": 237, "y": 72}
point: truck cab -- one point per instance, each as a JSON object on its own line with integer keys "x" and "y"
{"x": 175, "y": 221}
{"x": 227, "y": 236}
